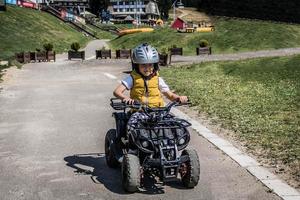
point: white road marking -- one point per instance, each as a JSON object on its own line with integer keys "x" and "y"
{"x": 90, "y": 58}
{"x": 60, "y": 180}
{"x": 110, "y": 76}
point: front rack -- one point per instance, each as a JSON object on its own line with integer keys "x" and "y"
{"x": 171, "y": 123}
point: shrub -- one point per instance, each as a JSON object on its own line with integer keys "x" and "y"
{"x": 75, "y": 46}
{"x": 48, "y": 47}
{"x": 38, "y": 50}
{"x": 174, "y": 46}
{"x": 164, "y": 51}
{"x": 203, "y": 43}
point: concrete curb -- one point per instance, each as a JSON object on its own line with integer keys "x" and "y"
{"x": 269, "y": 179}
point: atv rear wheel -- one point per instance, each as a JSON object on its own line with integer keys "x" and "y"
{"x": 110, "y": 157}
{"x": 190, "y": 170}
{"x": 131, "y": 176}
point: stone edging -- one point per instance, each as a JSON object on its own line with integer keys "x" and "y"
{"x": 270, "y": 180}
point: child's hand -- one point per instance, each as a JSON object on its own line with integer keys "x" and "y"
{"x": 183, "y": 99}
{"x": 128, "y": 101}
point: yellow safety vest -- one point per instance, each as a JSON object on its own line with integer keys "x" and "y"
{"x": 146, "y": 91}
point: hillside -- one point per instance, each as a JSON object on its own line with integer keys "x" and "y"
{"x": 24, "y": 29}
{"x": 230, "y": 36}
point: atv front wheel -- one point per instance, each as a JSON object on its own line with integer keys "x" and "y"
{"x": 131, "y": 179}
{"x": 190, "y": 170}
{"x": 110, "y": 157}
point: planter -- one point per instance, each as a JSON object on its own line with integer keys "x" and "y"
{"x": 203, "y": 50}
{"x": 23, "y": 57}
{"x": 163, "y": 59}
{"x": 41, "y": 56}
{"x": 76, "y": 54}
{"x": 19, "y": 57}
{"x": 175, "y": 51}
{"x": 32, "y": 56}
{"x": 103, "y": 54}
{"x": 51, "y": 55}
{"x": 123, "y": 53}
{"x": 26, "y": 57}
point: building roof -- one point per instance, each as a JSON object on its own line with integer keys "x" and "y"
{"x": 87, "y": 14}
{"x": 129, "y": 18}
{"x": 178, "y": 18}
{"x": 193, "y": 18}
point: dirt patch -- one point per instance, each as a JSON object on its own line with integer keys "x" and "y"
{"x": 191, "y": 15}
{"x": 8, "y": 74}
{"x": 283, "y": 171}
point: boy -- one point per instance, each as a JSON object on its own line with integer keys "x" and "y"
{"x": 144, "y": 82}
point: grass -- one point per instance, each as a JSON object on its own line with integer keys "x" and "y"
{"x": 230, "y": 36}
{"x": 259, "y": 100}
{"x": 102, "y": 34}
{"x": 24, "y": 29}
{"x": 160, "y": 38}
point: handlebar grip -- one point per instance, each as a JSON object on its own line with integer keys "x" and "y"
{"x": 178, "y": 101}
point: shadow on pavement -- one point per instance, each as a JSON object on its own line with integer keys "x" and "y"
{"x": 94, "y": 165}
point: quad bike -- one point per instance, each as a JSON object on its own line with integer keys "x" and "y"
{"x": 155, "y": 145}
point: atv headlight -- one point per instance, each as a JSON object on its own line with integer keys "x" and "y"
{"x": 183, "y": 138}
{"x": 181, "y": 141}
{"x": 143, "y": 133}
{"x": 145, "y": 144}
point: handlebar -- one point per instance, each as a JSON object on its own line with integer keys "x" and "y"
{"x": 118, "y": 104}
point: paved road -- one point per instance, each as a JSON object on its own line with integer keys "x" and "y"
{"x": 53, "y": 120}
{"x": 183, "y": 60}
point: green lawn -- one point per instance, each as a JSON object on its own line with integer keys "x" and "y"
{"x": 102, "y": 34}
{"x": 258, "y": 99}
{"x": 230, "y": 36}
{"x": 24, "y": 29}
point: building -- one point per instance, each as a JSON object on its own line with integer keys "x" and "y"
{"x": 65, "y": 3}
{"x": 142, "y": 11}
{"x": 2, "y": 5}
{"x": 179, "y": 24}
{"x": 71, "y": 6}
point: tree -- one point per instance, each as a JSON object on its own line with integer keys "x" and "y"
{"x": 164, "y": 7}
{"x": 190, "y": 3}
{"x": 98, "y": 5}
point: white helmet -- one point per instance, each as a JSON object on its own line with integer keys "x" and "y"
{"x": 145, "y": 54}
